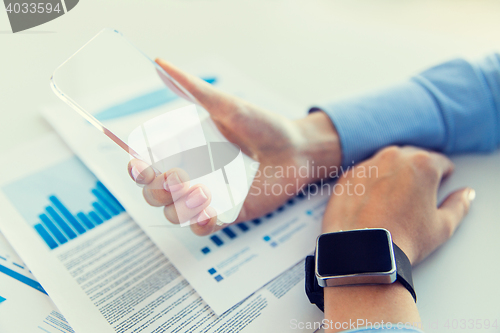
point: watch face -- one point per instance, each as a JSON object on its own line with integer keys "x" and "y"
{"x": 354, "y": 252}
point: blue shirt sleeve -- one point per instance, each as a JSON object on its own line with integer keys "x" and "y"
{"x": 453, "y": 108}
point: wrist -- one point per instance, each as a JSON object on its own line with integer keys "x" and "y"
{"x": 370, "y": 303}
{"x": 319, "y": 150}
{"x": 359, "y": 279}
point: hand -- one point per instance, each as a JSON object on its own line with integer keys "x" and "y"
{"x": 276, "y": 142}
{"x": 397, "y": 191}
{"x": 400, "y": 195}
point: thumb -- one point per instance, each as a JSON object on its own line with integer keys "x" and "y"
{"x": 453, "y": 209}
{"x": 217, "y": 103}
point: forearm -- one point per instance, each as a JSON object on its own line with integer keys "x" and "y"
{"x": 369, "y": 304}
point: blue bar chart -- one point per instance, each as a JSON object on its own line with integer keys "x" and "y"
{"x": 232, "y": 232}
{"x": 58, "y": 224}
{"x": 73, "y": 201}
{"x": 228, "y": 234}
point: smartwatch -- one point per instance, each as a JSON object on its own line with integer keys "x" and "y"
{"x": 356, "y": 257}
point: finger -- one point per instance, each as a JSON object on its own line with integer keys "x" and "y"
{"x": 205, "y": 223}
{"x": 141, "y": 172}
{"x": 217, "y": 103}
{"x": 190, "y": 205}
{"x": 166, "y": 188}
{"x": 452, "y": 211}
{"x": 175, "y": 87}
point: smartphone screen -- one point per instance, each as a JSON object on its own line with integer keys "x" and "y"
{"x": 132, "y": 100}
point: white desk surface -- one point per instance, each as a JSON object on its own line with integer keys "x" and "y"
{"x": 306, "y": 51}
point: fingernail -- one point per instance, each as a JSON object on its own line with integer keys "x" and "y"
{"x": 203, "y": 218}
{"x": 173, "y": 183}
{"x": 196, "y": 198}
{"x": 136, "y": 174}
{"x": 471, "y": 195}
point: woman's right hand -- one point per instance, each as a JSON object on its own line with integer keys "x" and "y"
{"x": 276, "y": 142}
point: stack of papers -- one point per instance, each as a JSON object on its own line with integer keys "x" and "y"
{"x": 111, "y": 263}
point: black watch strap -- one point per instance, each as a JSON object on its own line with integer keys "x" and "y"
{"x": 403, "y": 266}
{"x": 315, "y": 293}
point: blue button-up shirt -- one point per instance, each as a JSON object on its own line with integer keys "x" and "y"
{"x": 452, "y": 108}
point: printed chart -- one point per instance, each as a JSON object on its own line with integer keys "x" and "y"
{"x": 63, "y": 206}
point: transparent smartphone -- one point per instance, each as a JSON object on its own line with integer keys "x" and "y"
{"x": 129, "y": 98}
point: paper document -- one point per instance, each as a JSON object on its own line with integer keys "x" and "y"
{"x": 24, "y": 305}
{"x": 236, "y": 261}
{"x": 102, "y": 271}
